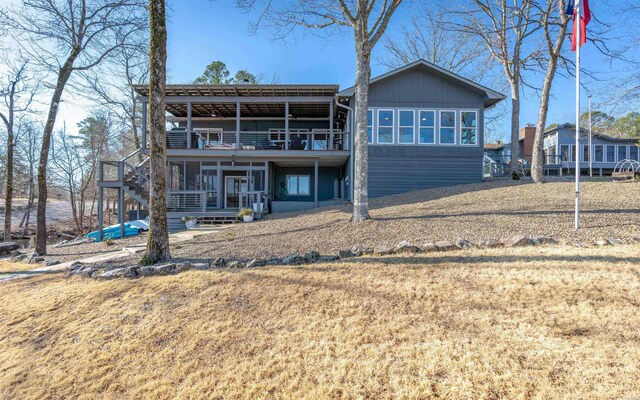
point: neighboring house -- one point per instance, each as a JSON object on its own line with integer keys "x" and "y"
{"x": 290, "y": 147}
{"x": 560, "y": 150}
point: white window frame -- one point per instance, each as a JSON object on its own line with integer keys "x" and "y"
{"x": 373, "y": 125}
{"x": 455, "y": 127}
{"x": 568, "y": 146}
{"x": 626, "y": 153}
{"x": 462, "y": 127}
{"x": 413, "y": 127}
{"x": 298, "y": 185}
{"x": 435, "y": 127}
{"x": 584, "y": 151}
{"x": 393, "y": 125}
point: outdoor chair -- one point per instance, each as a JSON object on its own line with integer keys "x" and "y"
{"x": 297, "y": 143}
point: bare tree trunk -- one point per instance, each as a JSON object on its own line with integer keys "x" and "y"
{"x": 41, "y": 217}
{"x": 537, "y": 164}
{"x": 9, "y": 187}
{"x": 361, "y": 145}
{"x": 515, "y": 123}
{"x": 158, "y": 242}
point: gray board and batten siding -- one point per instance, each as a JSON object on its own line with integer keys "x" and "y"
{"x": 401, "y": 167}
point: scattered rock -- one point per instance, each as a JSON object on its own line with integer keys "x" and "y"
{"x": 185, "y": 266}
{"x": 601, "y": 243}
{"x": 463, "y": 243}
{"x": 235, "y": 264}
{"x": 312, "y": 256}
{"x": 274, "y": 261}
{"x": 111, "y": 273}
{"x": 293, "y": 259}
{"x": 517, "y": 241}
{"x": 382, "y": 250}
{"x": 36, "y": 259}
{"x": 342, "y": 254}
{"x": 165, "y": 269}
{"x": 489, "y": 244}
{"x": 545, "y": 240}
{"x": 218, "y": 262}
{"x": 20, "y": 257}
{"x": 429, "y": 247}
{"x": 147, "y": 270}
{"x": 406, "y": 247}
{"x": 615, "y": 242}
{"x": 201, "y": 265}
{"x": 131, "y": 272}
{"x": 445, "y": 245}
{"x": 15, "y": 253}
{"x": 328, "y": 258}
{"x": 50, "y": 263}
{"x": 358, "y": 250}
{"x": 256, "y": 263}
{"x": 8, "y": 247}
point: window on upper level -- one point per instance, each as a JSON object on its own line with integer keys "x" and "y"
{"x": 447, "y": 127}
{"x": 370, "y": 125}
{"x": 427, "y": 126}
{"x": 469, "y": 129}
{"x": 385, "y": 126}
{"x": 406, "y": 122}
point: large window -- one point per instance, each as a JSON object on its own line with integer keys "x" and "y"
{"x": 564, "y": 152}
{"x": 447, "y": 127}
{"x": 298, "y": 185}
{"x": 573, "y": 153}
{"x": 633, "y": 152}
{"x": 406, "y": 121}
{"x": 585, "y": 153}
{"x": 468, "y": 132}
{"x": 611, "y": 154}
{"x": 427, "y": 126}
{"x": 370, "y": 126}
{"x": 385, "y": 126}
{"x": 622, "y": 152}
{"x": 598, "y": 153}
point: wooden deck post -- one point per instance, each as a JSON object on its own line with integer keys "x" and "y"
{"x": 145, "y": 107}
{"x": 100, "y": 210}
{"x": 188, "y": 125}
{"x": 238, "y": 125}
{"x": 315, "y": 183}
{"x": 121, "y": 211}
{"x": 286, "y": 125}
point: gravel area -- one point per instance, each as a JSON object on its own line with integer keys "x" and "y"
{"x": 496, "y": 209}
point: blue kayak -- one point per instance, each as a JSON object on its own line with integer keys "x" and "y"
{"x": 113, "y": 232}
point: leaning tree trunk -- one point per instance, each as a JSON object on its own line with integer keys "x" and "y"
{"x": 360, "y": 142}
{"x": 158, "y": 242}
{"x": 41, "y": 214}
{"x": 9, "y": 186}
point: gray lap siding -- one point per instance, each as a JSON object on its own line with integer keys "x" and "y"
{"x": 399, "y": 169}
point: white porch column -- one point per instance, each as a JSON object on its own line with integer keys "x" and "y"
{"x": 145, "y": 108}
{"x": 286, "y": 125}
{"x": 315, "y": 183}
{"x": 331, "y": 125}
{"x": 188, "y": 125}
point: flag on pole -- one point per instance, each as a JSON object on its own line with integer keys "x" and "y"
{"x": 579, "y": 22}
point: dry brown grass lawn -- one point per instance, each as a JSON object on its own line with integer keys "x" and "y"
{"x": 484, "y": 324}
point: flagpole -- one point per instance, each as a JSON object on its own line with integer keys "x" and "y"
{"x": 577, "y": 158}
{"x": 590, "y": 152}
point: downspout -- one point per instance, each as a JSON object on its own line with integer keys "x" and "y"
{"x": 351, "y": 136}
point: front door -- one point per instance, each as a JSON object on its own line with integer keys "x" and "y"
{"x": 209, "y": 184}
{"x": 234, "y": 187}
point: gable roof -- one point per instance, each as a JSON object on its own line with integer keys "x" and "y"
{"x": 585, "y": 133}
{"x": 491, "y": 96}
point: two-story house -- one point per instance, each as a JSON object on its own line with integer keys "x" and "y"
{"x": 290, "y": 147}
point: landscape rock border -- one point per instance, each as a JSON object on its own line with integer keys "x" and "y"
{"x": 403, "y": 248}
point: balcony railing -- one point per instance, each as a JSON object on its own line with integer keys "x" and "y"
{"x": 214, "y": 139}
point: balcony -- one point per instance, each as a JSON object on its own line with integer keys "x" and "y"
{"x": 276, "y": 140}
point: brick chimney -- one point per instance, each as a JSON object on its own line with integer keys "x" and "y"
{"x": 526, "y": 141}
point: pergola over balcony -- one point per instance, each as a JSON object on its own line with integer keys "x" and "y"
{"x": 188, "y": 103}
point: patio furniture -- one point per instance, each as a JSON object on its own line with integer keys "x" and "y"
{"x": 297, "y": 143}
